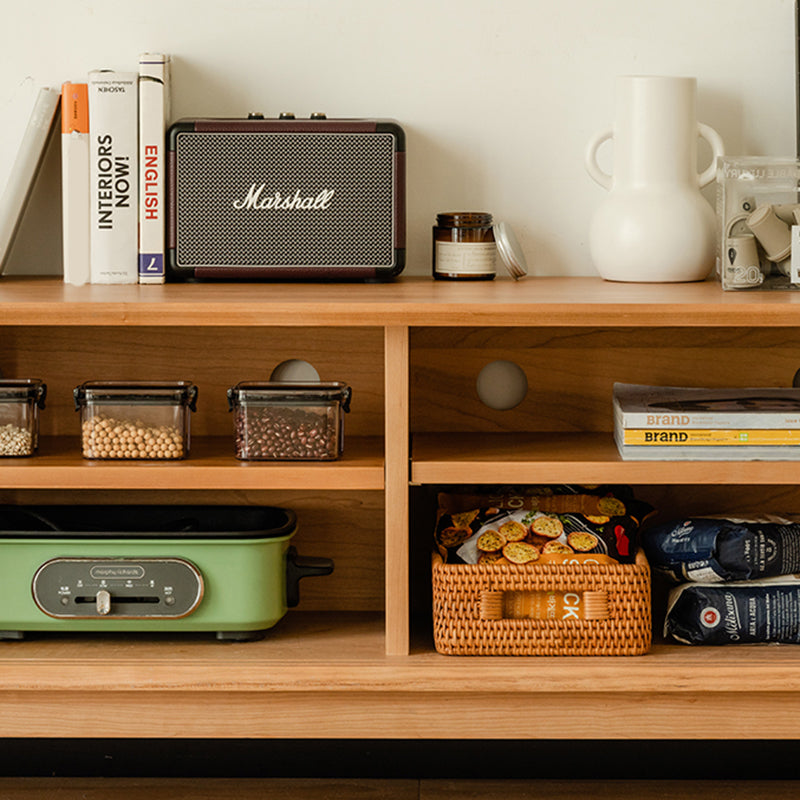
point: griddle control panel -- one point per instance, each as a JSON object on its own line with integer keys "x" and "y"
{"x": 117, "y": 588}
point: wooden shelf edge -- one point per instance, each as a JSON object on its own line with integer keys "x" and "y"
{"x": 409, "y": 300}
{"x": 571, "y": 458}
{"x": 340, "y": 653}
{"x": 210, "y": 466}
{"x": 398, "y": 715}
{"x": 269, "y": 788}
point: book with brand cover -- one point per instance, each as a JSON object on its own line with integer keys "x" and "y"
{"x": 75, "y": 182}
{"x": 687, "y": 437}
{"x": 670, "y": 422}
{"x": 22, "y": 176}
{"x": 113, "y": 171}
{"x": 154, "y": 96}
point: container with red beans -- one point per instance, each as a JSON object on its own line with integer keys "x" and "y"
{"x": 289, "y": 421}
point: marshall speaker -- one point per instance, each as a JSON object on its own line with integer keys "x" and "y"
{"x": 286, "y": 199}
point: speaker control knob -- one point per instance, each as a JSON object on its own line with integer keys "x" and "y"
{"x": 286, "y": 115}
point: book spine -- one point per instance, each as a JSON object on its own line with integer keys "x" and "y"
{"x": 75, "y": 181}
{"x": 711, "y": 438}
{"x": 668, "y": 453}
{"x": 153, "y": 120}
{"x": 778, "y": 420}
{"x": 113, "y": 171}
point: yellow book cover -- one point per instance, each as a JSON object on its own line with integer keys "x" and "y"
{"x": 698, "y": 437}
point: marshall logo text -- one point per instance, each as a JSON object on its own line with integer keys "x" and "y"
{"x": 257, "y": 199}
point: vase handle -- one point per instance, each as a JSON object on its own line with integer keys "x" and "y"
{"x": 717, "y": 150}
{"x": 590, "y": 160}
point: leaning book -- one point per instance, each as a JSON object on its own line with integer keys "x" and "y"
{"x": 702, "y": 424}
{"x": 25, "y": 168}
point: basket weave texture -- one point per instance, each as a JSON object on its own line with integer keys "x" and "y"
{"x": 459, "y": 630}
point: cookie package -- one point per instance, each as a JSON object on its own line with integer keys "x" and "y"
{"x": 539, "y": 524}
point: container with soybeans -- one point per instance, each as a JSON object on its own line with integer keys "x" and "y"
{"x": 135, "y": 419}
{"x": 20, "y": 401}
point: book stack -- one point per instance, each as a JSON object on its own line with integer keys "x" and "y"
{"x": 695, "y": 424}
{"x": 113, "y": 174}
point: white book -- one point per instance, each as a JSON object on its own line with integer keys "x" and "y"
{"x": 154, "y": 109}
{"x": 113, "y": 176}
{"x": 22, "y": 176}
{"x": 662, "y": 407}
{"x": 75, "y": 182}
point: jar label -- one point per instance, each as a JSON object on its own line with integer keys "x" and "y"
{"x": 465, "y": 258}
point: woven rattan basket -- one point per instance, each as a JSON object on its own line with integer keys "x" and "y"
{"x": 460, "y": 592}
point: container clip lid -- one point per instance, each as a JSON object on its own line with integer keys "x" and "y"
{"x": 20, "y": 390}
{"x": 289, "y": 392}
{"x": 136, "y": 392}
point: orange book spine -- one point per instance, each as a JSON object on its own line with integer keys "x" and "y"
{"x": 75, "y": 108}
{"x": 75, "y": 182}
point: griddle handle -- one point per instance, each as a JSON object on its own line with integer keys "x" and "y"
{"x": 298, "y": 567}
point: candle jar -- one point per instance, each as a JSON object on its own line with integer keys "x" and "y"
{"x": 464, "y": 247}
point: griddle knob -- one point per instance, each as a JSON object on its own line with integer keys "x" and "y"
{"x": 103, "y": 602}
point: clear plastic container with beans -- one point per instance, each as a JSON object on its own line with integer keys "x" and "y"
{"x": 299, "y": 421}
{"x": 135, "y": 420}
{"x": 20, "y": 401}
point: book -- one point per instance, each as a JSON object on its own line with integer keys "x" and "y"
{"x": 75, "y": 182}
{"x": 113, "y": 175}
{"x": 25, "y": 168}
{"x": 684, "y": 423}
{"x": 655, "y": 407}
{"x": 154, "y": 109}
{"x": 700, "y": 437}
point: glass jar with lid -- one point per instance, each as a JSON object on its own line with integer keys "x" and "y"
{"x": 464, "y": 246}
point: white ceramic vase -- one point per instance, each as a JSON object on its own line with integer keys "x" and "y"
{"x": 654, "y": 225}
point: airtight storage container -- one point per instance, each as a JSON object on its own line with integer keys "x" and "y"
{"x": 277, "y": 421}
{"x": 20, "y": 401}
{"x": 135, "y": 420}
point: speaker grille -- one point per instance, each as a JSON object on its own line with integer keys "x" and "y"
{"x": 228, "y": 184}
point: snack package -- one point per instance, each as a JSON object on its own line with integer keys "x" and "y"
{"x": 735, "y": 613}
{"x": 539, "y": 524}
{"x": 719, "y": 549}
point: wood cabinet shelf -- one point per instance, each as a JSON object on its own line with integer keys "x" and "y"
{"x": 349, "y": 662}
{"x": 406, "y": 302}
{"x": 326, "y": 674}
{"x": 210, "y": 466}
{"x": 340, "y": 652}
{"x": 571, "y": 458}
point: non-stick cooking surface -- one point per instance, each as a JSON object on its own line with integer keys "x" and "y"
{"x": 146, "y": 521}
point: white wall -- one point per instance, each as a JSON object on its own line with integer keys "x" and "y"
{"x": 498, "y": 97}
